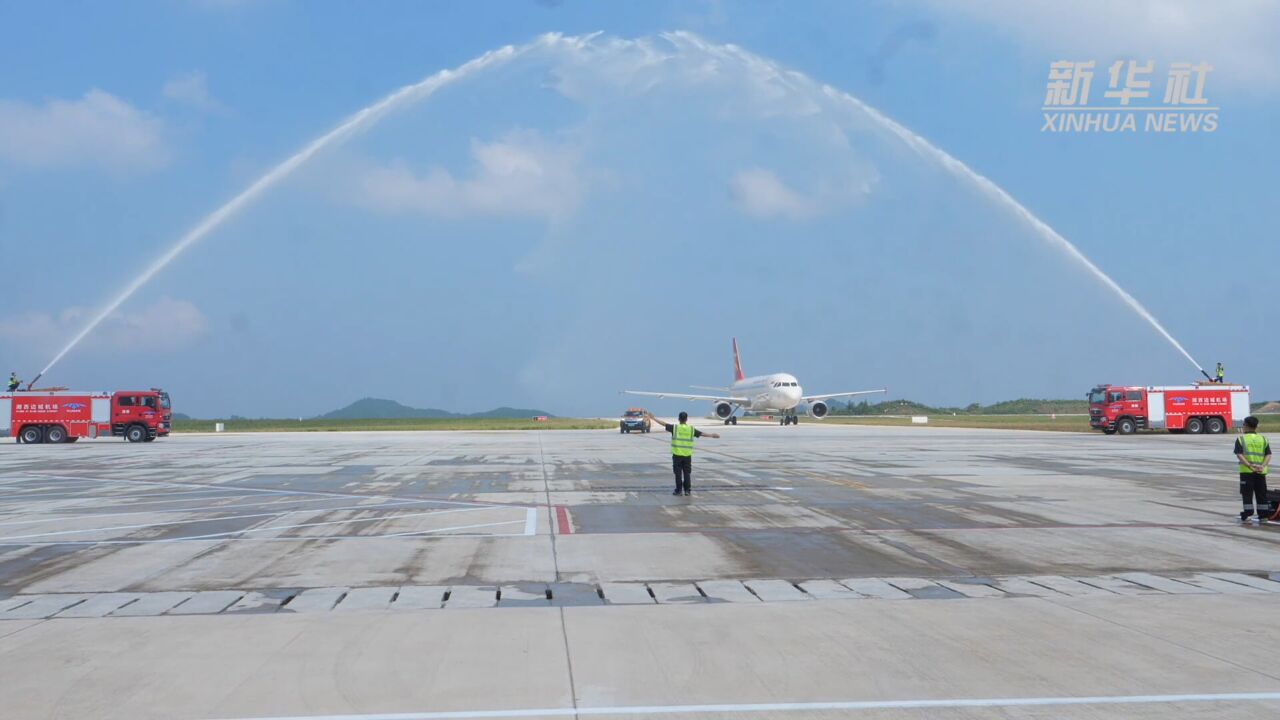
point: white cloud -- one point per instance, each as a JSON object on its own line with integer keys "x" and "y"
{"x": 167, "y": 324}
{"x": 1237, "y": 37}
{"x": 759, "y": 193}
{"x": 192, "y": 89}
{"x": 99, "y": 130}
{"x": 520, "y": 175}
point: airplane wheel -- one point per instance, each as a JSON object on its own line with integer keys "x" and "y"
{"x": 735, "y": 421}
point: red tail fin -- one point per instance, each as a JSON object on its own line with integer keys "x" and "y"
{"x": 737, "y": 363}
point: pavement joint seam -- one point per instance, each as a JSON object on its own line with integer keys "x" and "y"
{"x": 1165, "y": 639}
{"x": 1056, "y": 588}
{"x": 555, "y": 558}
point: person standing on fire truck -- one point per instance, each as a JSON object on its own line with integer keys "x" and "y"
{"x": 1219, "y": 375}
{"x": 1254, "y": 453}
{"x": 14, "y": 382}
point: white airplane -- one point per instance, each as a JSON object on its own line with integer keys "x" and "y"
{"x": 776, "y": 393}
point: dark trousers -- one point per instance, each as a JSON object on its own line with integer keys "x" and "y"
{"x": 1253, "y": 489}
{"x": 683, "y": 468}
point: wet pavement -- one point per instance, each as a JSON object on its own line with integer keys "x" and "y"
{"x": 273, "y": 528}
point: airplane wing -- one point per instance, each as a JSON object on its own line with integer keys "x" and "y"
{"x": 684, "y": 396}
{"x": 828, "y": 396}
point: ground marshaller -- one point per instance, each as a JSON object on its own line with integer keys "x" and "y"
{"x": 682, "y": 435}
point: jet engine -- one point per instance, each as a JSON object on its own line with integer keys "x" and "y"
{"x": 723, "y": 410}
{"x": 817, "y": 409}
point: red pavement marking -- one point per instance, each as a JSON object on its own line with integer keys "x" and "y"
{"x": 563, "y": 526}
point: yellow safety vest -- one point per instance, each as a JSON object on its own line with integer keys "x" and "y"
{"x": 1255, "y": 451}
{"x": 682, "y": 440}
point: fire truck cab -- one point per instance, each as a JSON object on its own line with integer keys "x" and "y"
{"x": 1193, "y": 409}
{"x": 65, "y": 416}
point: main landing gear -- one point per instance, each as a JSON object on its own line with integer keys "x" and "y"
{"x": 731, "y": 420}
{"x": 788, "y": 420}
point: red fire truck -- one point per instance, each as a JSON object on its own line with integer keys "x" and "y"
{"x": 1199, "y": 408}
{"x": 58, "y": 416}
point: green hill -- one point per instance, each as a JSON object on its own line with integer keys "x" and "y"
{"x": 1024, "y": 406}
{"x": 382, "y": 409}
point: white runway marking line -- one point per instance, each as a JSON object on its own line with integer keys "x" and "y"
{"x": 171, "y": 496}
{"x": 414, "y": 533}
{"x": 395, "y": 517}
{"x": 317, "y": 493}
{"x": 801, "y": 707}
{"x": 531, "y": 521}
{"x": 229, "y": 533}
{"x": 72, "y": 516}
{"x": 324, "y": 538}
{"x": 191, "y": 521}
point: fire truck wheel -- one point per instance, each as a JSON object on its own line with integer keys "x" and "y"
{"x": 1195, "y": 426}
{"x": 135, "y": 433}
{"x": 1215, "y": 426}
{"x": 32, "y": 435}
{"x": 55, "y": 434}
{"x": 1126, "y": 427}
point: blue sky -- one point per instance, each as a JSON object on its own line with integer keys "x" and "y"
{"x": 578, "y": 220}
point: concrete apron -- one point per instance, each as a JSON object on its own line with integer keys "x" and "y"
{"x": 721, "y": 658}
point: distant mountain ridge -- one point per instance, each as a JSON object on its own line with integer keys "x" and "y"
{"x": 380, "y": 409}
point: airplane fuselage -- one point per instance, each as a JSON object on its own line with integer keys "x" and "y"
{"x": 777, "y": 392}
{"x": 774, "y": 393}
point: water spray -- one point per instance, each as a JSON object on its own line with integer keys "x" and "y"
{"x": 352, "y": 125}
{"x": 766, "y": 70}
{"x": 771, "y": 71}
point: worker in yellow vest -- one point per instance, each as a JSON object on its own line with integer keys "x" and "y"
{"x": 1254, "y": 453}
{"x": 682, "y": 435}
{"x": 1219, "y": 374}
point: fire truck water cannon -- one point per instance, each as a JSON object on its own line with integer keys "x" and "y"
{"x": 58, "y": 415}
{"x": 1203, "y": 407}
